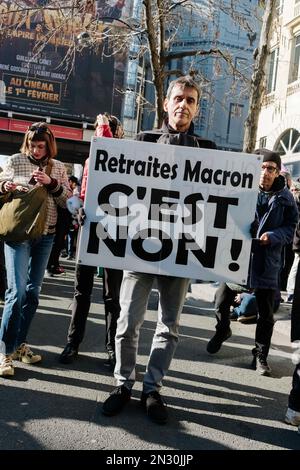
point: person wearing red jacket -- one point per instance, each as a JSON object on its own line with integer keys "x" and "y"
{"x": 106, "y": 126}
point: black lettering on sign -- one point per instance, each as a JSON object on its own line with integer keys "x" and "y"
{"x": 222, "y": 209}
{"x": 161, "y": 254}
{"x": 93, "y": 242}
{"x": 195, "y": 214}
{"x": 101, "y": 159}
{"x": 206, "y": 258}
{"x": 104, "y": 197}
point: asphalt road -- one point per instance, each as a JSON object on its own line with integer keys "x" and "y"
{"x": 216, "y": 402}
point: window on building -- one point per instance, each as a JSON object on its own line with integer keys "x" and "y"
{"x": 263, "y": 142}
{"x": 272, "y": 68}
{"x": 203, "y": 115}
{"x": 288, "y": 143}
{"x": 295, "y": 57}
{"x": 235, "y": 123}
{"x": 279, "y": 6}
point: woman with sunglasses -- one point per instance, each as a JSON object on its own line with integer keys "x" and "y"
{"x": 26, "y": 261}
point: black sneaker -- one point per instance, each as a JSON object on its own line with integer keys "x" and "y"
{"x": 116, "y": 401}
{"x": 214, "y": 345}
{"x": 155, "y": 407}
{"x": 259, "y": 363}
{"x": 69, "y": 354}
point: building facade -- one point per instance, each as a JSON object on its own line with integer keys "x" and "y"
{"x": 279, "y": 121}
{"x": 224, "y": 102}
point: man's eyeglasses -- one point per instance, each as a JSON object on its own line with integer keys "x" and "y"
{"x": 270, "y": 169}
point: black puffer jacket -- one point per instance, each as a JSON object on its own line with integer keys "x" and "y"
{"x": 296, "y": 240}
{"x": 168, "y": 135}
{"x": 295, "y": 318}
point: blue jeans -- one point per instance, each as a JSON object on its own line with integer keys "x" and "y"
{"x": 25, "y": 266}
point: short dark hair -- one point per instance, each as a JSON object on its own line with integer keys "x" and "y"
{"x": 269, "y": 156}
{"x": 114, "y": 123}
{"x": 185, "y": 82}
{"x": 73, "y": 179}
{"x": 39, "y": 131}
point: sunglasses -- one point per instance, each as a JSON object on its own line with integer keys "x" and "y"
{"x": 39, "y": 129}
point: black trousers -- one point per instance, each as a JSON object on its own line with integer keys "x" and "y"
{"x": 61, "y": 230}
{"x": 112, "y": 280}
{"x": 224, "y": 298}
{"x": 84, "y": 281}
{"x": 294, "y": 397}
{"x": 265, "y": 320}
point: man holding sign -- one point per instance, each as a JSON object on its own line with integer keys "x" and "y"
{"x": 181, "y": 106}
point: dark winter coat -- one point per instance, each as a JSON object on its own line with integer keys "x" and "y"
{"x": 295, "y": 318}
{"x": 296, "y": 240}
{"x": 277, "y": 215}
{"x": 168, "y": 135}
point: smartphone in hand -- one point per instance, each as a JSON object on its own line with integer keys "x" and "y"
{"x": 32, "y": 180}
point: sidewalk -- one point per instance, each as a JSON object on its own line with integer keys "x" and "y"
{"x": 206, "y": 291}
{"x": 215, "y": 402}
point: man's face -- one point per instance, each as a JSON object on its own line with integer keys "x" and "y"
{"x": 182, "y": 107}
{"x": 268, "y": 174}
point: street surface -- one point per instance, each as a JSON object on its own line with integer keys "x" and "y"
{"x": 216, "y": 402}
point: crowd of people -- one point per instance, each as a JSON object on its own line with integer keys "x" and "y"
{"x": 125, "y": 294}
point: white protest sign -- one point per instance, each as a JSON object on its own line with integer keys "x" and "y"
{"x": 171, "y": 210}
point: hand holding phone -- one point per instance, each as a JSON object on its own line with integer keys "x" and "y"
{"x": 32, "y": 179}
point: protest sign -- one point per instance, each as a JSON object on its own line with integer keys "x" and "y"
{"x": 169, "y": 210}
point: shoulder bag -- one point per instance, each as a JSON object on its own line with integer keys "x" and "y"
{"x": 23, "y": 214}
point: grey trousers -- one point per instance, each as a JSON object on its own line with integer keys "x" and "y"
{"x": 135, "y": 291}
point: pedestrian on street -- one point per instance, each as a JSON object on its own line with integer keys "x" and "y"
{"x": 295, "y": 190}
{"x": 71, "y": 237}
{"x": 293, "y": 412}
{"x": 274, "y": 225}
{"x": 106, "y": 126}
{"x": 26, "y": 261}
{"x": 181, "y": 106}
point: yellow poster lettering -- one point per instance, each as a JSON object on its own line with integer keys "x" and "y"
{"x": 15, "y": 81}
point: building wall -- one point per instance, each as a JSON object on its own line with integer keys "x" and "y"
{"x": 224, "y": 104}
{"x": 279, "y": 120}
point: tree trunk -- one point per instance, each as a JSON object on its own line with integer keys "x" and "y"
{"x": 257, "y": 88}
{"x": 155, "y": 37}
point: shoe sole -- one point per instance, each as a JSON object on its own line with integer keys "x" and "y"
{"x": 156, "y": 421}
{"x": 116, "y": 412}
{"x": 27, "y": 361}
{"x": 8, "y": 373}
{"x": 264, "y": 373}
{"x": 217, "y": 350}
{"x": 246, "y": 319}
{"x": 292, "y": 422}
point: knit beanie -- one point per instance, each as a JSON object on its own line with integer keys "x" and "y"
{"x": 269, "y": 156}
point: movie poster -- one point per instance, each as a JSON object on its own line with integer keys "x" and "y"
{"x": 41, "y": 71}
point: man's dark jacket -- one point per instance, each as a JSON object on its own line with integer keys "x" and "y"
{"x": 276, "y": 214}
{"x": 168, "y": 135}
{"x": 295, "y": 318}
